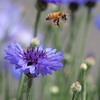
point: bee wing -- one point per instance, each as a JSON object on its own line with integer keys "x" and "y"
{"x": 68, "y": 12}
{"x": 65, "y": 20}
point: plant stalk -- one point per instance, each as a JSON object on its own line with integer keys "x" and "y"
{"x": 20, "y": 88}
{"x": 36, "y": 23}
{"x": 73, "y": 97}
{"x": 29, "y": 85}
{"x": 84, "y": 85}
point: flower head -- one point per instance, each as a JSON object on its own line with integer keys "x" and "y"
{"x": 83, "y": 66}
{"x": 57, "y": 1}
{"x": 91, "y": 0}
{"x": 12, "y": 27}
{"x": 54, "y": 90}
{"x": 76, "y": 87}
{"x": 77, "y": 1}
{"x": 90, "y": 61}
{"x": 91, "y": 3}
{"x": 11, "y": 12}
{"x": 34, "y": 61}
{"x": 97, "y": 22}
{"x": 14, "y": 73}
{"x": 41, "y": 5}
{"x": 70, "y": 1}
{"x": 65, "y": 1}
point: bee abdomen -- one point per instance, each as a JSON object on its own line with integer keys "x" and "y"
{"x": 52, "y": 16}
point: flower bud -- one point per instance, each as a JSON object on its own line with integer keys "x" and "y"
{"x": 35, "y": 42}
{"x": 90, "y": 61}
{"x": 41, "y": 5}
{"x": 67, "y": 57}
{"x": 83, "y": 66}
{"x": 54, "y": 7}
{"x": 54, "y": 90}
{"x": 90, "y": 4}
{"x": 76, "y": 87}
{"x": 73, "y": 6}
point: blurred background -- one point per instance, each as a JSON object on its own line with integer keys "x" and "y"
{"x": 79, "y": 38}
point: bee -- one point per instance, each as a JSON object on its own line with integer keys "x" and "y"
{"x": 57, "y": 17}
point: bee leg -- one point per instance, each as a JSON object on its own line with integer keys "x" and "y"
{"x": 65, "y": 19}
{"x": 56, "y": 21}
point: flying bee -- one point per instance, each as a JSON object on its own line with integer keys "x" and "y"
{"x": 57, "y": 17}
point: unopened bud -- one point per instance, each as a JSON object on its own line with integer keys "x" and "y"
{"x": 90, "y": 61}
{"x": 67, "y": 57}
{"x": 90, "y": 4}
{"x": 41, "y": 5}
{"x": 35, "y": 42}
{"x": 54, "y": 90}
{"x": 76, "y": 87}
{"x": 83, "y": 66}
{"x": 53, "y": 7}
{"x": 73, "y": 6}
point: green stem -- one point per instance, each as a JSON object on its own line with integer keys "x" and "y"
{"x": 98, "y": 83}
{"x": 71, "y": 38}
{"x": 47, "y": 35}
{"x": 20, "y": 88}
{"x": 73, "y": 97}
{"x": 6, "y": 85}
{"x": 84, "y": 85}
{"x": 55, "y": 40}
{"x": 85, "y": 32}
{"x": 36, "y": 22}
{"x": 29, "y": 85}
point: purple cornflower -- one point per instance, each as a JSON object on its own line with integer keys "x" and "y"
{"x": 65, "y": 1}
{"x": 91, "y": 0}
{"x": 56, "y": 1}
{"x": 14, "y": 73}
{"x": 74, "y": 4}
{"x": 91, "y": 3}
{"x": 34, "y": 61}
{"x": 10, "y": 16}
{"x": 12, "y": 12}
{"x": 12, "y": 27}
{"x": 70, "y": 1}
{"x": 77, "y": 1}
{"x": 97, "y": 22}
